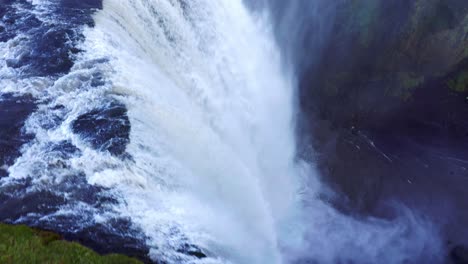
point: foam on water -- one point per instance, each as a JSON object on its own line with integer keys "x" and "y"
{"x": 211, "y": 113}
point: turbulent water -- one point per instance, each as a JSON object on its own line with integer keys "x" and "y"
{"x": 169, "y": 125}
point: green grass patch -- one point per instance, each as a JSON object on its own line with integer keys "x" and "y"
{"x": 21, "y": 244}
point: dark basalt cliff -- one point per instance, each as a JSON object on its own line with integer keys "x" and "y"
{"x": 387, "y": 104}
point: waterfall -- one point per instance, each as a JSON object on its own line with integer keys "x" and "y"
{"x": 172, "y": 122}
{"x": 211, "y": 140}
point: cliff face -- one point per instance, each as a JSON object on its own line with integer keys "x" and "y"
{"x": 383, "y": 51}
{"x": 387, "y": 105}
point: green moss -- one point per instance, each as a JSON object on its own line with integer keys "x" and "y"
{"x": 459, "y": 83}
{"x": 21, "y": 244}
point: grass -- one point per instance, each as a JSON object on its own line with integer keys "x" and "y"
{"x": 21, "y": 244}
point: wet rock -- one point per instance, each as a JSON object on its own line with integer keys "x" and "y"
{"x": 64, "y": 150}
{"x": 51, "y": 54}
{"x": 105, "y": 129}
{"x": 14, "y": 110}
{"x": 192, "y": 250}
{"x": 116, "y": 235}
{"x": 15, "y": 206}
{"x": 23, "y": 202}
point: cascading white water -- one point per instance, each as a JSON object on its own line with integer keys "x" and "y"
{"x": 212, "y": 126}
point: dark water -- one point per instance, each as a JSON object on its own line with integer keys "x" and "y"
{"x": 47, "y": 48}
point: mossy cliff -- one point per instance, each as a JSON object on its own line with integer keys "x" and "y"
{"x": 21, "y": 244}
{"x": 381, "y": 52}
{"x": 387, "y": 104}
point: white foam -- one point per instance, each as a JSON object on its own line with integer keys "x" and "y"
{"x": 212, "y": 129}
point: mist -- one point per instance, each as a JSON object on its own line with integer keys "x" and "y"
{"x": 332, "y": 231}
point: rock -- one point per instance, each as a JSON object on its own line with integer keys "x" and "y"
{"x": 192, "y": 250}
{"x": 14, "y": 110}
{"x": 105, "y": 129}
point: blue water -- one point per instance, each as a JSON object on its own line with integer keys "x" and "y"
{"x": 45, "y": 45}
